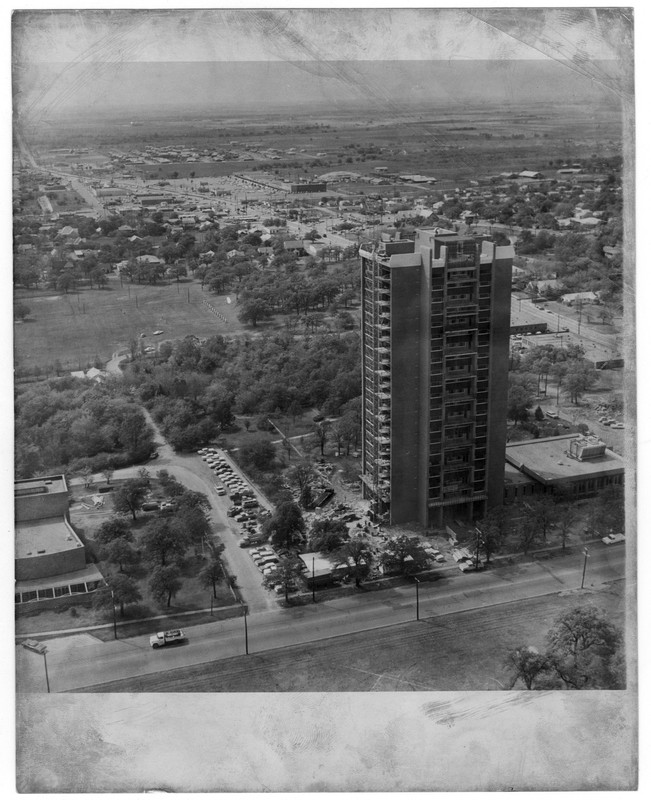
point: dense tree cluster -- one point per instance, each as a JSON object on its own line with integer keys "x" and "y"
{"x": 531, "y": 372}
{"x": 194, "y": 389}
{"x": 73, "y": 424}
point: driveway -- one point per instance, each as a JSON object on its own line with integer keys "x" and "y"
{"x": 195, "y": 474}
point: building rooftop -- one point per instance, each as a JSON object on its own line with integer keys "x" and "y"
{"x": 39, "y": 537}
{"x": 514, "y": 476}
{"x": 547, "y": 460}
{"x": 49, "y": 484}
{"x": 322, "y": 566}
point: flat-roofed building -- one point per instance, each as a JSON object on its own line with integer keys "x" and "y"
{"x": 50, "y": 559}
{"x": 581, "y": 464}
{"x": 46, "y": 547}
{"x": 435, "y": 350}
{"x": 38, "y": 498}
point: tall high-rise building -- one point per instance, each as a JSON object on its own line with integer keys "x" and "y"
{"x": 435, "y": 350}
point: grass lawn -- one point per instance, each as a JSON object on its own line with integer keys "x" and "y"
{"x": 300, "y": 426}
{"x": 78, "y": 327}
{"x": 457, "y": 652}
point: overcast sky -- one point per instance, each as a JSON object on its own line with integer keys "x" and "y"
{"x": 69, "y": 59}
{"x": 314, "y": 34}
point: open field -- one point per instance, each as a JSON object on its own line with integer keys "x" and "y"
{"x": 452, "y": 142}
{"x": 78, "y": 327}
{"x": 458, "y": 652}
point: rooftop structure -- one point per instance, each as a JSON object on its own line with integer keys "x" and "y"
{"x": 583, "y": 464}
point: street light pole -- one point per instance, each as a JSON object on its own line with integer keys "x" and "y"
{"x": 115, "y": 623}
{"x": 313, "y": 584}
{"x": 47, "y": 677}
{"x": 417, "y": 598}
{"x": 585, "y": 564}
{"x": 246, "y": 632}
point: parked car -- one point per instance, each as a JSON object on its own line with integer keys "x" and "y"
{"x": 262, "y": 549}
{"x": 163, "y": 638}
{"x": 221, "y": 491}
{"x": 280, "y": 589}
{"x": 614, "y": 538}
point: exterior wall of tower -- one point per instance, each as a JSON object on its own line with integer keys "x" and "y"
{"x": 405, "y": 387}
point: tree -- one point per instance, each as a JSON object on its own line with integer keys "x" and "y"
{"x": 612, "y": 516}
{"x": 543, "y": 514}
{"x": 211, "y": 574}
{"x": 134, "y": 434}
{"x": 259, "y": 453}
{"x": 493, "y": 529}
{"x": 252, "y": 310}
{"x": 121, "y": 591}
{"x": 285, "y": 573}
{"x": 129, "y": 497}
{"x": 404, "y": 554}
{"x": 566, "y": 520}
{"x": 528, "y": 534}
{"x": 321, "y": 430}
{"x": 114, "y": 528}
{"x": 539, "y": 414}
{"x": 165, "y": 583}
{"x": 580, "y": 377}
{"x": 356, "y": 557}
{"x": 162, "y": 540}
{"x": 120, "y": 552}
{"x": 327, "y": 535}
{"x": 21, "y": 310}
{"x": 193, "y": 524}
{"x": 584, "y": 649}
{"x": 526, "y": 664}
{"x": 87, "y": 476}
{"x": 519, "y": 403}
{"x": 107, "y": 472}
{"x": 301, "y": 476}
{"x": 286, "y": 526}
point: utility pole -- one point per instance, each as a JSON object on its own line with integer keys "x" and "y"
{"x": 417, "y": 598}
{"x": 585, "y": 564}
{"x": 47, "y": 677}
{"x": 115, "y": 624}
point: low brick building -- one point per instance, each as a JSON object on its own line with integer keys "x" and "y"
{"x": 50, "y": 559}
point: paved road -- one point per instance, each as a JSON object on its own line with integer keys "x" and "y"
{"x": 587, "y": 333}
{"x": 81, "y": 660}
{"x": 194, "y": 473}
